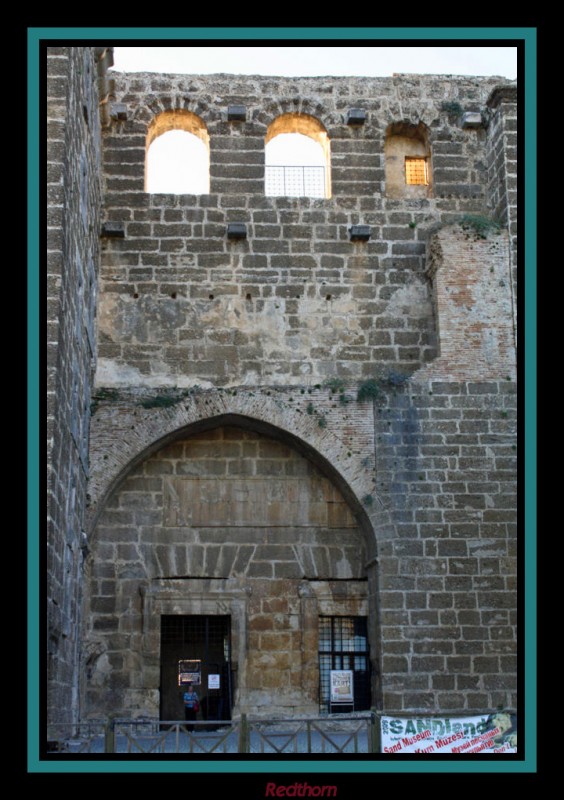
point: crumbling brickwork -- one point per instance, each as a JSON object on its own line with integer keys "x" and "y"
{"x": 502, "y": 165}
{"x": 470, "y": 273}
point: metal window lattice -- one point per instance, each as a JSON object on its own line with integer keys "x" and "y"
{"x": 343, "y": 644}
{"x": 416, "y": 171}
{"x": 298, "y": 181}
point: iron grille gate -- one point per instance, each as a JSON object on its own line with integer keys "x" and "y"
{"x": 343, "y": 644}
{"x": 196, "y": 638}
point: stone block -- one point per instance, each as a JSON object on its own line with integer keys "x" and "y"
{"x": 277, "y": 642}
{"x": 103, "y": 605}
{"x": 287, "y": 569}
{"x": 274, "y": 604}
{"x": 260, "y": 569}
{"x": 427, "y": 663}
{"x": 262, "y": 622}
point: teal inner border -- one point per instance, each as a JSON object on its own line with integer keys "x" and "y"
{"x": 474, "y": 36}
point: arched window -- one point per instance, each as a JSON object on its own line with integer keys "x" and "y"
{"x": 177, "y": 154}
{"x": 408, "y": 161}
{"x": 297, "y": 157}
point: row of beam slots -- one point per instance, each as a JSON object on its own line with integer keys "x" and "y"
{"x": 113, "y": 229}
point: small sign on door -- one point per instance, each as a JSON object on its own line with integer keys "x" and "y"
{"x": 189, "y": 671}
{"x": 342, "y": 688}
{"x": 213, "y": 681}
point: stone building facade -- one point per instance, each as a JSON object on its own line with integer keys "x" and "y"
{"x": 293, "y": 450}
{"x": 73, "y": 216}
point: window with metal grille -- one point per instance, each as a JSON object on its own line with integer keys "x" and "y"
{"x": 297, "y": 157}
{"x": 416, "y": 171}
{"x": 298, "y": 181}
{"x": 343, "y": 644}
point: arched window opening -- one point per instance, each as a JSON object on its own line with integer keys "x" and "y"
{"x": 177, "y": 154}
{"x": 297, "y": 158}
{"x": 408, "y": 161}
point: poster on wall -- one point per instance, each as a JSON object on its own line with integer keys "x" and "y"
{"x": 189, "y": 671}
{"x": 493, "y": 733}
{"x": 342, "y": 686}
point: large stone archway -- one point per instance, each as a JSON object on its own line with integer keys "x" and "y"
{"x": 226, "y": 521}
{"x": 131, "y": 425}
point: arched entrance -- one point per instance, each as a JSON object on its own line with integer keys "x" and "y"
{"x": 230, "y": 549}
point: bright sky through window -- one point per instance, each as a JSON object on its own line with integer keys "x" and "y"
{"x": 177, "y": 163}
{"x": 294, "y": 151}
{"x": 290, "y": 149}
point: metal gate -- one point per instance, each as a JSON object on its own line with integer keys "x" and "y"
{"x": 196, "y": 639}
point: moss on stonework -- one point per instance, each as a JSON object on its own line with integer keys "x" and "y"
{"x": 100, "y": 395}
{"x": 166, "y": 398}
{"x": 374, "y": 388}
{"x": 481, "y": 225}
{"x": 451, "y": 107}
{"x": 106, "y": 394}
{"x": 335, "y": 385}
{"x": 161, "y": 401}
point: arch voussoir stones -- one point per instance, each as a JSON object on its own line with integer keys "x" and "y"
{"x": 126, "y": 431}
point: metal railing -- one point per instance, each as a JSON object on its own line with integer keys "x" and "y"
{"x": 81, "y": 737}
{"x": 322, "y": 735}
{"x": 294, "y": 181}
{"x": 176, "y": 737}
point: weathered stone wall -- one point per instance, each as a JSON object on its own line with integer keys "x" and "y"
{"x": 442, "y": 508}
{"x": 502, "y": 164}
{"x": 445, "y": 468}
{"x": 399, "y": 507}
{"x": 296, "y": 302}
{"x": 232, "y": 509}
{"x": 73, "y": 222}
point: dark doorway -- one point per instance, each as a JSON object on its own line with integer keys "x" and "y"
{"x": 204, "y": 642}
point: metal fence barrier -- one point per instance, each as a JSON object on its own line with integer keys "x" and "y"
{"x": 321, "y": 735}
{"x": 82, "y": 737}
{"x": 348, "y": 735}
